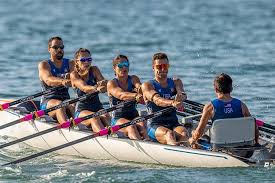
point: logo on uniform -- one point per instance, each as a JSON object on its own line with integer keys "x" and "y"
{"x": 228, "y": 108}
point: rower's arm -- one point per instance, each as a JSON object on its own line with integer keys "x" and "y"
{"x": 101, "y": 81}
{"x": 246, "y": 113}
{"x": 206, "y": 115}
{"x": 114, "y": 90}
{"x": 181, "y": 95}
{"x": 137, "y": 84}
{"x": 77, "y": 82}
{"x": 150, "y": 94}
{"x": 245, "y": 110}
{"x": 46, "y": 75}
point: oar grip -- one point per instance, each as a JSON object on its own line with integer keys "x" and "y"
{"x": 66, "y": 124}
{"x": 4, "y": 106}
{"x": 103, "y": 132}
{"x": 259, "y": 122}
{"x": 27, "y": 117}
{"x": 39, "y": 113}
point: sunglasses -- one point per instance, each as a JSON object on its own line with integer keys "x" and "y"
{"x": 162, "y": 66}
{"x": 123, "y": 64}
{"x": 56, "y": 47}
{"x": 86, "y": 59}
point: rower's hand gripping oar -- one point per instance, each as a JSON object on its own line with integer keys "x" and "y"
{"x": 103, "y": 132}
{"x": 67, "y": 124}
{"x": 38, "y": 114}
{"x": 46, "y": 92}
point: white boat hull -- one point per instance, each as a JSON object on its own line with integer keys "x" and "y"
{"x": 121, "y": 149}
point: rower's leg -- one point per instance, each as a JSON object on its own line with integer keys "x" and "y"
{"x": 142, "y": 130}
{"x": 165, "y": 136}
{"x": 60, "y": 114}
{"x": 106, "y": 119}
{"x": 130, "y": 131}
{"x": 181, "y": 134}
{"x": 95, "y": 123}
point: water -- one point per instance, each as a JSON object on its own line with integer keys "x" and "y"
{"x": 201, "y": 38}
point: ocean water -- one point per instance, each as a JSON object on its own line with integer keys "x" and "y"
{"x": 201, "y": 38}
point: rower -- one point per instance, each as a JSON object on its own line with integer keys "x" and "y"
{"x": 88, "y": 79}
{"x": 223, "y": 107}
{"x": 158, "y": 94}
{"x": 126, "y": 88}
{"x": 55, "y": 72}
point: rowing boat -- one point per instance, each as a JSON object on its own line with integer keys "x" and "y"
{"x": 114, "y": 148}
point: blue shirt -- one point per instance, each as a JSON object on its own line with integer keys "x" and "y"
{"x": 168, "y": 93}
{"x": 223, "y": 110}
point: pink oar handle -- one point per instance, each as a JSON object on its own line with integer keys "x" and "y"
{"x": 67, "y": 123}
{"x": 106, "y": 131}
{"x": 259, "y": 122}
{"x": 4, "y": 106}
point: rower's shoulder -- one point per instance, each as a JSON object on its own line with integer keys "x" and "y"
{"x": 208, "y": 107}
{"x": 111, "y": 83}
{"x": 146, "y": 86}
{"x": 43, "y": 64}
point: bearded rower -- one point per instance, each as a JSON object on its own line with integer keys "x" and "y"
{"x": 158, "y": 94}
{"x": 55, "y": 72}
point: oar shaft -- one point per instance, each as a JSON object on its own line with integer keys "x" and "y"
{"x": 30, "y": 137}
{"x": 67, "y": 124}
{"x": 9, "y": 124}
{"x": 46, "y": 92}
{"x": 102, "y": 132}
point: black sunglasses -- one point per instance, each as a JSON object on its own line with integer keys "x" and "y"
{"x": 56, "y": 47}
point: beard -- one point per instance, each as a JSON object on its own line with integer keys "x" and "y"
{"x": 59, "y": 56}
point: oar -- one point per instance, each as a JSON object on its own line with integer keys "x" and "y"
{"x": 46, "y": 92}
{"x": 40, "y": 113}
{"x": 103, "y": 132}
{"x": 67, "y": 124}
{"x": 263, "y": 124}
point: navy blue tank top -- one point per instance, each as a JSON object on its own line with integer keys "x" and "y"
{"x": 231, "y": 109}
{"x": 168, "y": 93}
{"x": 63, "y": 93}
{"x": 91, "y": 103}
{"x": 128, "y": 112}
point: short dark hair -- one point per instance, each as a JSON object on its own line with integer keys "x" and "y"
{"x": 52, "y": 38}
{"x": 118, "y": 58}
{"x": 77, "y": 53}
{"x": 223, "y": 83}
{"x": 158, "y": 56}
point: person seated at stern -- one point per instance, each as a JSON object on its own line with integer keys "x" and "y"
{"x": 88, "y": 79}
{"x": 224, "y": 106}
{"x": 126, "y": 87}
{"x": 158, "y": 94}
{"x": 55, "y": 72}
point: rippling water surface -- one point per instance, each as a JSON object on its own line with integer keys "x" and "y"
{"x": 201, "y": 38}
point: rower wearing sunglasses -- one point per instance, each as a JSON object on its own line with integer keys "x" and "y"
{"x": 88, "y": 79}
{"x": 126, "y": 88}
{"x": 158, "y": 94}
{"x": 55, "y": 72}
